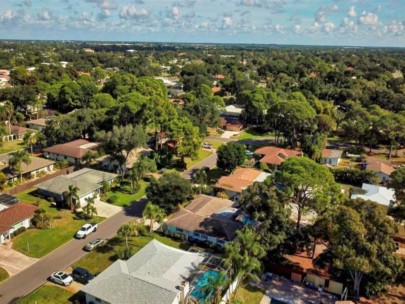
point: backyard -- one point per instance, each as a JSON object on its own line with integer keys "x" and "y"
{"x": 10, "y": 146}
{"x": 3, "y": 274}
{"x": 37, "y": 243}
{"x": 247, "y": 294}
{"x": 123, "y": 195}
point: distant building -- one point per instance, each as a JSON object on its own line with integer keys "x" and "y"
{"x": 88, "y": 51}
{"x": 206, "y": 218}
{"x": 382, "y": 170}
{"x": 233, "y": 110}
{"x": 331, "y": 157}
{"x": 71, "y": 152}
{"x": 37, "y": 124}
{"x": 275, "y": 156}
{"x": 378, "y": 194}
{"x": 14, "y": 133}
{"x": 230, "y": 123}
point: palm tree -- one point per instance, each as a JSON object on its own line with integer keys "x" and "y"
{"x": 19, "y": 158}
{"x": 127, "y": 230}
{"x": 153, "y": 213}
{"x": 200, "y": 177}
{"x": 90, "y": 209}
{"x": 136, "y": 173}
{"x": 89, "y": 156}
{"x": 71, "y": 195}
{"x": 3, "y": 180}
{"x": 215, "y": 284}
{"x": 6, "y": 112}
{"x": 30, "y": 139}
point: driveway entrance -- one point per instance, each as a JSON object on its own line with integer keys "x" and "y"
{"x": 13, "y": 261}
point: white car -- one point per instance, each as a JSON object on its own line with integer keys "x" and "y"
{"x": 61, "y": 278}
{"x": 86, "y": 230}
{"x": 207, "y": 145}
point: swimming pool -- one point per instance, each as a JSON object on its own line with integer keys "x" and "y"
{"x": 200, "y": 292}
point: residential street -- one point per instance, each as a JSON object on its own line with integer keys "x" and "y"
{"x": 31, "y": 278}
{"x": 210, "y": 162}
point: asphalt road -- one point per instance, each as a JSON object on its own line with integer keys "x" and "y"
{"x": 210, "y": 162}
{"x": 33, "y": 277}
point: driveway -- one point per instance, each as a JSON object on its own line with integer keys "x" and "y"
{"x": 13, "y": 261}
{"x": 106, "y": 210}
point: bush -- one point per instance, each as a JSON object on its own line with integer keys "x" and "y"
{"x": 353, "y": 176}
{"x": 355, "y": 150}
{"x": 223, "y": 195}
{"x": 125, "y": 253}
{"x": 113, "y": 199}
{"x": 19, "y": 231}
{"x": 264, "y": 167}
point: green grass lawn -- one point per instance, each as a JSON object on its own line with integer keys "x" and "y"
{"x": 3, "y": 274}
{"x": 49, "y": 294}
{"x": 37, "y": 243}
{"x": 11, "y": 146}
{"x": 202, "y": 154}
{"x": 124, "y": 196}
{"x": 215, "y": 144}
{"x": 99, "y": 259}
{"x": 247, "y": 294}
{"x": 253, "y": 134}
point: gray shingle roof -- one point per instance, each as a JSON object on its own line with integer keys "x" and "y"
{"x": 153, "y": 276}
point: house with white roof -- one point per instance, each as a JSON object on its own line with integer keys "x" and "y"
{"x": 378, "y": 194}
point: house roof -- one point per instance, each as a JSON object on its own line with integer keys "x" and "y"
{"x": 233, "y": 109}
{"x": 208, "y": 215}
{"x": 241, "y": 178}
{"x": 87, "y": 180}
{"x": 76, "y": 149}
{"x": 216, "y": 89}
{"x": 329, "y": 153}
{"x": 153, "y": 275}
{"x": 378, "y": 194}
{"x": 38, "y": 122}
{"x": 275, "y": 155}
{"x": 17, "y": 130}
{"x": 15, "y": 214}
{"x": 36, "y": 164}
{"x": 378, "y": 166}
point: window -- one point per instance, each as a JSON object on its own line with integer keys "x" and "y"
{"x": 179, "y": 229}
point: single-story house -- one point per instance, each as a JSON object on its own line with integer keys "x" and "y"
{"x": 206, "y": 218}
{"x": 37, "y": 166}
{"x": 382, "y": 169}
{"x": 156, "y": 274}
{"x": 72, "y": 152}
{"x": 88, "y": 181}
{"x": 37, "y": 124}
{"x": 14, "y": 133}
{"x": 14, "y": 217}
{"x": 233, "y": 110}
{"x": 331, "y": 157}
{"x": 230, "y": 123}
{"x": 239, "y": 180}
{"x": 275, "y": 156}
{"x": 378, "y": 194}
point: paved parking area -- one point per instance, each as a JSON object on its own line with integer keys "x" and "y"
{"x": 106, "y": 210}
{"x": 13, "y": 261}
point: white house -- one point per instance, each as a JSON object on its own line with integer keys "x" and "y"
{"x": 378, "y": 194}
{"x": 233, "y": 110}
{"x": 72, "y": 152}
{"x": 14, "y": 217}
{"x": 331, "y": 157}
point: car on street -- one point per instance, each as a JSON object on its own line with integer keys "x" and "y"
{"x": 86, "y": 230}
{"x": 93, "y": 244}
{"x": 61, "y": 278}
{"x": 82, "y": 275}
{"x": 207, "y": 145}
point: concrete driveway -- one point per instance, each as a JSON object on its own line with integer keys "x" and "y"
{"x": 13, "y": 261}
{"x": 106, "y": 210}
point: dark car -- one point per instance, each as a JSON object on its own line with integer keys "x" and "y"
{"x": 82, "y": 275}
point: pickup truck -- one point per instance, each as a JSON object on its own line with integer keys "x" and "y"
{"x": 86, "y": 230}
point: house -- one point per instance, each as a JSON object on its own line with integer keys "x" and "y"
{"x": 331, "y": 157}
{"x": 14, "y": 133}
{"x": 36, "y": 167}
{"x": 14, "y": 217}
{"x": 88, "y": 181}
{"x": 239, "y": 180}
{"x": 230, "y": 123}
{"x": 378, "y": 194}
{"x": 275, "y": 156}
{"x": 71, "y": 152}
{"x": 233, "y": 110}
{"x": 215, "y": 90}
{"x": 206, "y": 218}
{"x": 156, "y": 274}
{"x": 382, "y": 170}
{"x": 37, "y": 124}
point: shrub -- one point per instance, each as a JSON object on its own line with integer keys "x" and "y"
{"x": 19, "y": 231}
{"x": 113, "y": 199}
{"x": 223, "y": 195}
{"x": 353, "y": 176}
{"x": 264, "y": 167}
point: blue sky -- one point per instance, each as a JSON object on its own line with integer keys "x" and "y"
{"x": 319, "y": 22}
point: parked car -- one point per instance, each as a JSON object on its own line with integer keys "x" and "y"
{"x": 61, "y": 278}
{"x": 86, "y": 230}
{"x": 93, "y": 244}
{"x": 249, "y": 153}
{"x": 207, "y": 145}
{"x": 82, "y": 275}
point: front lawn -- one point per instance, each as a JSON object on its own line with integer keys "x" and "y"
{"x": 37, "y": 243}
{"x": 215, "y": 143}
{"x": 49, "y": 294}
{"x": 99, "y": 259}
{"x": 253, "y": 134}
{"x": 124, "y": 198}
{"x": 247, "y": 294}
{"x": 11, "y": 146}
{"x": 202, "y": 154}
{"x": 3, "y": 274}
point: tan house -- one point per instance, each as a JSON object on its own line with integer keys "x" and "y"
{"x": 14, "y": 133}
{"x": 72, "y": 152}
{"x": 37, "y": 124}
{"x": 37, "y": 167}
{"x": 382, "y": 170}
{"x": 275, "y": 156}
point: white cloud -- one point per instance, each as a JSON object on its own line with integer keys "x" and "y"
{"x": 368, "y": 18}
{"x": 328, "y": 27}
{"x": 352, "y": 12}
{"x": 130, "y": 11}
{"x": 175, "y": 13}
{"x": 297, "y": 28}
{"x": 44, "y": 16}
{"x": 104, "y": 4}
{"x": 226, "y": 22}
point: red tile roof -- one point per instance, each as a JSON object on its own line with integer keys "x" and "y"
{"x": 276, "y": 155}
{"x": 216, "y": 89}
{"x": 239, "y": 180}
{"x": 15, "y": 214}
{"x": 219, "y": 76}
{"x": 378, "y": 166}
